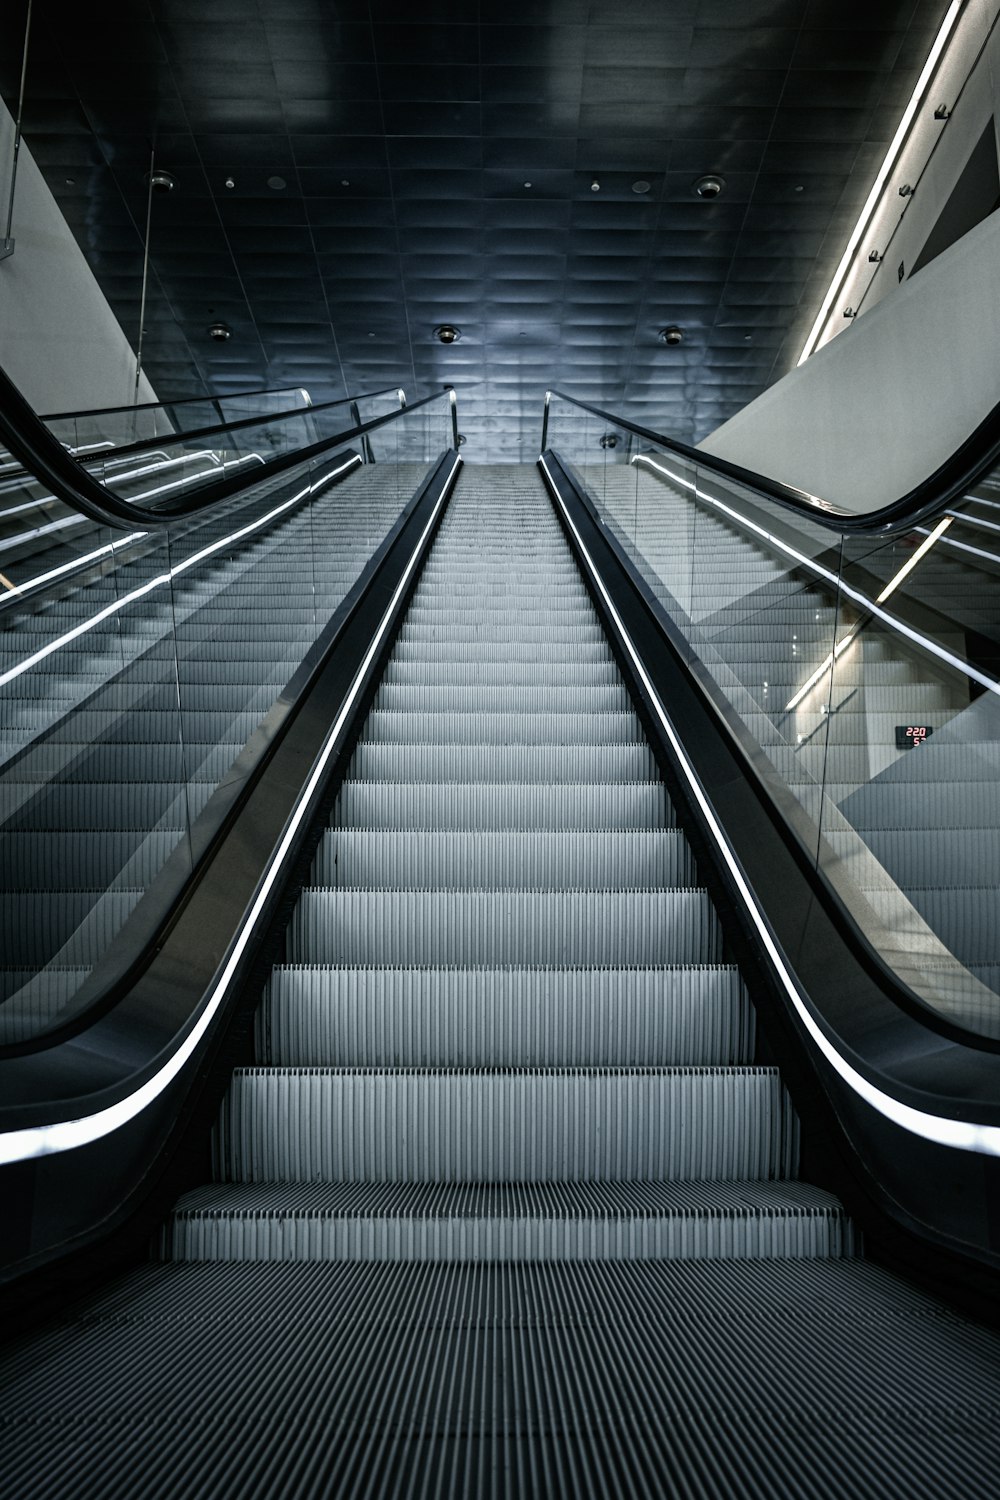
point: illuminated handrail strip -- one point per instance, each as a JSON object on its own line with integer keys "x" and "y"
{"x": 870, "y": 606}
{"x": 76, "y": 563}
{"x": 961, "y": 1134}
{"x": 65, "y": 1135}
{"x": 164, "y": 578}
{"x": 64, "y": 522}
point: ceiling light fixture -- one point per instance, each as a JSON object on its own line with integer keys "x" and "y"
{"x": 161, "y": 182}
{"x": 230, "y": 182}
{"x": 445, "y": 333}
{"x": 219, "y": 331}
{"x": 595, "y": 186}
{"x": 672, "y": 335}
{"x": 882, "y": 177}
{"x": 276, "y": 184}
{"x": 708, "y": 187}
{"x": 642, "y": 186}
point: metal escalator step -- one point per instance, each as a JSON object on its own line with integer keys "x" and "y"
{"x": 527, "y": 672}
{"x": 513, "y": 1016}
{"x": 30, "y": 1001}
{"x": 552, "y": 764}
{"x": 410, "y": 1125}
{"x": 73, "y": 927}
{"x": 515, "y": 1221}
{"x": 116, "y": 762}
{"x": 507, "y": 699}
{"x": 108, "y": 804}
{"x": 484, "y": 652}
{"x": 517, "y": 631}
{"x": 34, "y": 859}
{"x": 506, "y": 859}
{"x": 485, "y": 805}
{"x": 958, "y": 804}
{"x": 504, "y": 728}
{"x": 504, "y": 927}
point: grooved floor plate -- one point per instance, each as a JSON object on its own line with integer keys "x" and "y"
{"x": 681, "y": 1379}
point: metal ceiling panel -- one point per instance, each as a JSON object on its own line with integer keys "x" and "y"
{"x": 350, "y": 174}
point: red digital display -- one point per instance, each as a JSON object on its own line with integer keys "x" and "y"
{"x": 909, "y": 736}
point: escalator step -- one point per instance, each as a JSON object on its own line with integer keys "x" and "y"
{"x": 516, "y": 1125}
{"x": 484, "y": 805}
{"x": 516, "y": 1017}
{"x": 504, "y": 927}
{"x": 513, "y": 1221}
{"x": 508, "y": 859}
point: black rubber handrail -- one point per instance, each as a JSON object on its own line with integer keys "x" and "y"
{"x": 24, "y": 434}
{"x": 237, "y": 424}
{"x": 114, "y": 411}
{"x": 976, "y": 456}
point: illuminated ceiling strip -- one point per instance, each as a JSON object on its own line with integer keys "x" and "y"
{"x": 65, "y": 1135}
{"x": 164, "y": 578}
{"x": 923, "y": 641}
{"x": 884, "y": 172}
{"x": 963, "y": 1135}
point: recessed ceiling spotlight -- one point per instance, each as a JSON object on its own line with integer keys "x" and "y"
{"x": 345, "y": 182}
{"x": 710, "y": 186}
{"x": 161, "y": 182}
{"x": 799, "y": 187}
{"x": 445, "y": 333}
{"x": 748, "y": 338}
{"x": 527, "y": 184}
{"x": 595, "y": 186}
{"x": 276, "y": 184}
{"x": 642, "y": 186}
{"x": 219, "y": 331}
{"x": 230, "y": 182}
{"x": 71, "y": 182}
{"x": 672, "y": 335}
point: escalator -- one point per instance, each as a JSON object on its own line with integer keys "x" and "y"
{"x": 507, "y": 1193}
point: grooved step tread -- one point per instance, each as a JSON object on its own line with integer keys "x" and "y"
{"x": 509, "y": 1221}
